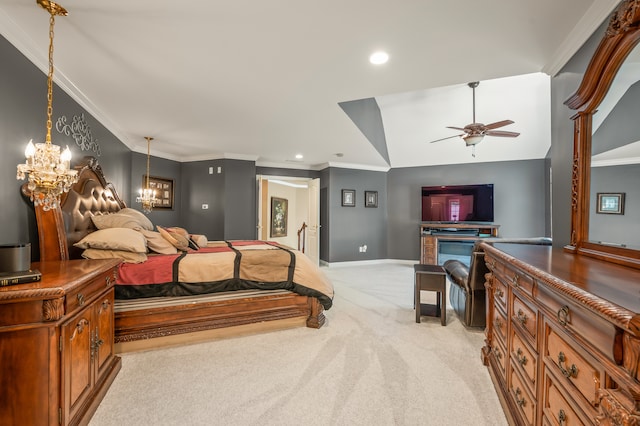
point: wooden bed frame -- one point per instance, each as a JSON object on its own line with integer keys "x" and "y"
{"x": 148, "y": 323}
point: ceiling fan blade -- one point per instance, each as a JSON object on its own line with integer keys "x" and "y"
{"x": 498, "y": 124}
{"x": 448, "y": 137}
{"x": 456, "y": 128}
{"x": 502, "y": 133}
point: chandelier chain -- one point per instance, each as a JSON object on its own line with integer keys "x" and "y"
{"x": 52, "y": 22}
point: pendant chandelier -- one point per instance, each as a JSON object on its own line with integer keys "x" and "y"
{"x": 48, "y": 168}
{"x": 147, "y": 196}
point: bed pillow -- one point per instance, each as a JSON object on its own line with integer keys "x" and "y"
{"x": 125, "y": 218}
{"x": 200, "y": 240}
{"x": 126, "y": 256}
{"x": 140, "y": 217}
{"x": 176, "y": 239}
{"x": 157, "y": 243}
{"x": 124, "y": 239}
{"x": 177, "y": 230}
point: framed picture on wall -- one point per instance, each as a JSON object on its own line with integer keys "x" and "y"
{"x": 610, "y": 203}
{"x": 348, "y": 198}
{"x": 279, "y": 216}
{"x": 164, "y": 191}
{"x": 371, "y": 198}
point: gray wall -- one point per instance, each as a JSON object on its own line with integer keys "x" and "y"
{"x": 23, "y": 89}
{"x": 159, "y": 167}
{"x": 519, "y": 199}
{"x": 613, "y": 228}
{"x": 352, "y": 227}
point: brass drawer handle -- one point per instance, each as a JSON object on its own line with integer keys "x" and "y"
{"x": 563, "y": 315}
{"x": 80, "y": 299}
{"x": 522, "y": 359}
{"x": 521, "y": 317}
{"x": 562, "y": 417}
{"x": 107, "y": 281}
{"x": 520, "y": 399}
{"x": 566, "y": 372}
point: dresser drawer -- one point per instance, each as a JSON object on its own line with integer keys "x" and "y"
{"x": 523, "y": 358}
{"x": 557, "y": 410}
{"x": 526, "y": 317}
{"x": 500, "y": 355}
{"x": 81, "y": 295}
{"x": 576, "y": 371}
{"x": 500, "y": 294}
{"x": 523, "y": 399}
{"x": 513, "y": 277}
{"x": 499, "y": 322}
{"x": 580, "y": 322}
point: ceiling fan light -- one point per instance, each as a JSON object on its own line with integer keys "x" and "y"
{"x": 473, "y": 139}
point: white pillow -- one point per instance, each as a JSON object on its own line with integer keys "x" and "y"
{"x": 114, "y": 239}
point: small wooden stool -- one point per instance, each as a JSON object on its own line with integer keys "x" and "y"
{"x": 431, "y": 278}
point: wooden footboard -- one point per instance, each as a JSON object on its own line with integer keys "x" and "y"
{"x": 158, "y": 319}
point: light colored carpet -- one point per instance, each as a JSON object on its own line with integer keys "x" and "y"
{"x": 371, "y": 364}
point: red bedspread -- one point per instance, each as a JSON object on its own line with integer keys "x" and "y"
{"x": 224, "y": 266}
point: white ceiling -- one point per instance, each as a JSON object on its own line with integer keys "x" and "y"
{"x": 262, "y": 80}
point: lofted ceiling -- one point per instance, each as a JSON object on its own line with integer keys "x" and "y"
{"x": 265, "y": 81}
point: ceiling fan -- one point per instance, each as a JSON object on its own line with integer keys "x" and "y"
{"x": 475, "y": 132}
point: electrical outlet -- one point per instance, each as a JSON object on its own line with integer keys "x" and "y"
{"x": 364, "y": 248}
{"x": 205, "y": 206}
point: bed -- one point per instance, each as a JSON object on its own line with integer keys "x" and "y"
{"x": 200, "y": 291}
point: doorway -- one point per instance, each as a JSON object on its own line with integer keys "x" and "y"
{"x": 289, "y": 212}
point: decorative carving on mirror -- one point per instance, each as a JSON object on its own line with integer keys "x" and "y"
{"x": 621, "y": 36}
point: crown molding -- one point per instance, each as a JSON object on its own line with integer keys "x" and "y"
{"x": 586, "y": 26}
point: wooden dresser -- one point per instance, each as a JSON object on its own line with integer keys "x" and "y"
{"x": 56, "y": 344}
{"x": 562, "y": 336}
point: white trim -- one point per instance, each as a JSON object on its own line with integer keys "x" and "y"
{"x": 615, "y": 162}
{"x": 590, "y": 21}
{"x": 367, "y": 262}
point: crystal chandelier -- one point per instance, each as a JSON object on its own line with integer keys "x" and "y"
{"x": 47, "y": 167}
{"x": 147, "y": 195}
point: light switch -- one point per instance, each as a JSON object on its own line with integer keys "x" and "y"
{"x": 210, "y": 170}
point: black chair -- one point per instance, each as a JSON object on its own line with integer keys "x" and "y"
{"x": 467, "y": 293}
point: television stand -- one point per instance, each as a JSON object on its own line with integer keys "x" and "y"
{"x": 434, "y": 233}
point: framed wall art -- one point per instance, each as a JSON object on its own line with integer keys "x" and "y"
{"x": 371, "y": 198}
{"x": 610, "y": 203}
{"x": 279, "y": 216}
{"x": 164, "y": 191}
{"x": 348, "y": 198}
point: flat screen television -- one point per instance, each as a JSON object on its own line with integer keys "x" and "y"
{"x": 457, "y": 203}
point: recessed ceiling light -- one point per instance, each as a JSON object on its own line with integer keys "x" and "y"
{"x": 299, "y": 156}
{"x": 379, "y": 58}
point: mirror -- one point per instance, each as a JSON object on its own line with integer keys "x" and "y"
{"x": 614, "y": 206}
{"x": 604, "y": 202}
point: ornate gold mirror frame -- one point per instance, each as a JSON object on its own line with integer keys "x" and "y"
{"x": 622, "y": 35}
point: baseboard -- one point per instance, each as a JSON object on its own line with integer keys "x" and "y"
{"x": 367, "y": 262}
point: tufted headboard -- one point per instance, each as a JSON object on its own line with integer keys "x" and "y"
{"x": 60, "y": 228}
